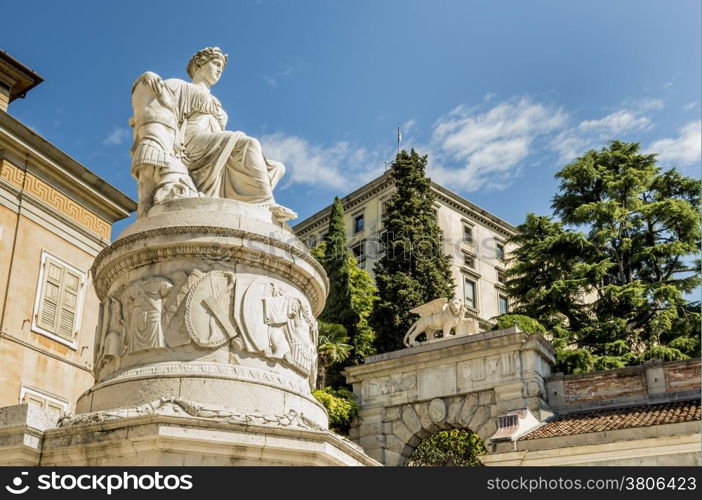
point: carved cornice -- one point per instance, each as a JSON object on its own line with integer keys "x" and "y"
{"x": 208, "y": 370}
{"x": 37, "y": 188}
{"x": 175, "y": 406}
{"x": 170, "y": 243}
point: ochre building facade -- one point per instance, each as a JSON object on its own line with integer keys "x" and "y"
{"x": 55, "y": 216}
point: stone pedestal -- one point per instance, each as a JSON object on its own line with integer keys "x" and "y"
{"x": 206, "y": 348}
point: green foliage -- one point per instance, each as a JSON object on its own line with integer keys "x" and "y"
{"x": 613, "y": 293}
{"x": 334, "y": 259}
{"x": 351, "y": 295}
{"x": 454, "y": 447}
{"x": 414, "y": 268}
{"x": 524, "y": 323}
{"x": 362, "y": 293}
{"x": 332, "y": 348}
{"x": 340, "y": 405}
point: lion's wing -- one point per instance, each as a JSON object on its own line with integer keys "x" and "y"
{"x": 430, "y": 308}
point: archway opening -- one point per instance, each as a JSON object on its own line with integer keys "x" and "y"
{"x": 448, "y": 448}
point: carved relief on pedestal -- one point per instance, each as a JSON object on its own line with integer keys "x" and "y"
{"x": 279, "y": 325}
{"x": 111, "y": 341}
{"x": 143, "y": 313}
{"x": 209, "y": 310}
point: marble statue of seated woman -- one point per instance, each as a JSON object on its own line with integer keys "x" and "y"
{"x": 182, "y": 148}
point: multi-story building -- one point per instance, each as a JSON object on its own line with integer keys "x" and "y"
{"x": 55, "y": 216}
{"x": 473, "y": 238}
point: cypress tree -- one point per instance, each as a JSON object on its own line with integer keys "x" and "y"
{"x": 414, "y": 268}
{"x": 334, "y": 260}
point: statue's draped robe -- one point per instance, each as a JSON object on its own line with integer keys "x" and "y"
{"x": 222, "y": 163}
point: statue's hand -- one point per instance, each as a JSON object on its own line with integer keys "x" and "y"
{"x": 153, "y": 81}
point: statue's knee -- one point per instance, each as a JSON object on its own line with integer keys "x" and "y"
{"x": 252, "y": 143}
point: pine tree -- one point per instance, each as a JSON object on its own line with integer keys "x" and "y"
{"x": 613, "y": 294}
{"x": 414, "y": 268}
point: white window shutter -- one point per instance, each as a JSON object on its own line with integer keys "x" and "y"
{"x": 50, "y": 296}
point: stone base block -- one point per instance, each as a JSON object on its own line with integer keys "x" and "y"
{"x": 171, "y": 440}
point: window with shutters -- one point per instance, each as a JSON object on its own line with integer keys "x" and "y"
{"x": 34, "y": 397}
{"x": 59, "y": 299}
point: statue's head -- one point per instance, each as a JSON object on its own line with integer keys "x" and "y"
{"x": 204, "y": 56}
{"x": 456, "y": 306}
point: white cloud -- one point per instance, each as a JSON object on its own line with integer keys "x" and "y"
{"x": 489, "y": 146}
{"x": 616, "y": 123}
{"x": 270, "y": 81}
{"x": 340, "y": 166}
{"x": 682, "y": 150}
{"x": 117, "y": 136}
{"x": 589, "y": 134}
{"x": 690, "y": 105}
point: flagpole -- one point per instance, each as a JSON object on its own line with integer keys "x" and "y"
{"x": 399, "y": 138}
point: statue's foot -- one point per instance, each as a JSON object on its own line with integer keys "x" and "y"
{"x": 282, "y": 214}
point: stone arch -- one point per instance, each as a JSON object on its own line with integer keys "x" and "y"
{"x": 406, "y": 425}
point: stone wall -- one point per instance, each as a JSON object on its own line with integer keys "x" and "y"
{"x": 654, "y": 381}
{"x": 465, "y": 382}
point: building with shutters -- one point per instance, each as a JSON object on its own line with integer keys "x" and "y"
{"x": 55, "y": 216}
{"x": 474, "y": 239}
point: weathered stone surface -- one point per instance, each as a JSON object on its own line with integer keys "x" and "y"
{"x": 411, "y": 419}
{"x": 470, "y": 404}
{"x": 394, "y": 459}
{"x": 392, "y": 414}
{"x": 454, "y": 411}
{"x": 372, "y": 441}
{"x": 482, "y": 414}
{"x": 487, "y": 430}
{"x": 437, "y": 411}
{"x": 404, "y": 434}
{"x": 395, "y": 444}
{"x": 437, "y": 381}
{"x": 486, "y": 398}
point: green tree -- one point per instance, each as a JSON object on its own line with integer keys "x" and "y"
{"x": 335, "y": 261}
{"x": 454, "y": 447}
{"x": 363, "y": 294}
{"x": 414, "y": 268}
{"x": 609, "y": 280}
{"x": 332, "y": 348}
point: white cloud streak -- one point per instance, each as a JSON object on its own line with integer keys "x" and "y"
{"x": 340, "y": 166}
{"x": 118, "y": 136}
{"x": 683, "y": 150}
{"x": 489, "y": 147}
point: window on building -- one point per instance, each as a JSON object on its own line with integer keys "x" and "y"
{"x": 467, "y": 233}
{"x": 501, "y": 277}
{"x": 359, "y": 251}
{"x": 54, "y": 405}
{"x": 358, "y": 224}
{"x": 500, "y": 251}
{"x": 469, "y": 261}
{"x": 58, "y": 300}
{"x": 502, "y": 304}
{"x": 469, "y": 293}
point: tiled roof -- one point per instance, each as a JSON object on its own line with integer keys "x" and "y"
{"x": 618, "y": 418}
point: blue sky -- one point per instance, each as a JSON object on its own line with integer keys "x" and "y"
{"x": 500, "y": 94}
